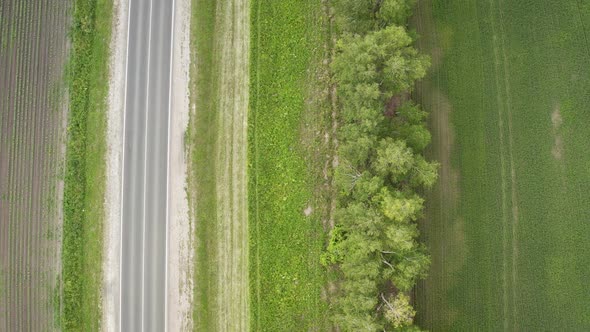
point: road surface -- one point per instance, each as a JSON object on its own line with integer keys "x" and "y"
{"x": 144, "y": 202}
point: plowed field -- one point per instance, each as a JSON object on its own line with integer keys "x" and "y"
{"x": 32, "y": 57}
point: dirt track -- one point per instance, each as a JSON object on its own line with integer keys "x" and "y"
{"x": 232, "y": 284}
{"x": 218, "y": 181}
{"x": 32, "y": 58}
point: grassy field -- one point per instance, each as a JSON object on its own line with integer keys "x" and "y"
{"x": 85, "y": 166}
{"x": 33, "y": 48}
{"x": 217, "y": 171}
{"x": 289, "y": 138}
{"x": 507, "y": 224}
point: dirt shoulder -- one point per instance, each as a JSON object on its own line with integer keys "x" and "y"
{"x": 112, "y": 225}
{"x": 180, "y": 242}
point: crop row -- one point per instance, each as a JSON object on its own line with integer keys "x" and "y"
{"x": 32, "y": 44}
{"x": 512, "y": 86}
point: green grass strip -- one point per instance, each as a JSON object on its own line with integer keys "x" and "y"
{"x": 286, "y": 278}
{"x": 85, "y": 166}
{"x": 202, "y": 142}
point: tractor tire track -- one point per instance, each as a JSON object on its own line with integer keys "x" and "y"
{"x": 232, "y": 250}
{"x": 509, "y": 195}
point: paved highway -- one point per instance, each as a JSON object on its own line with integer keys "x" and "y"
{"x": 144, "y": 203}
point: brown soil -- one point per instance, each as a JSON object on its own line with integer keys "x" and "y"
{"x": 394, "y": 103}
{"x": 32, "y": 57}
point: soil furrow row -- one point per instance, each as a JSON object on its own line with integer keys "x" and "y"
{"x": 6, "y": 27}
{"x": 7, "y": 191}
{"x": 16, "y": 262}
{"x": 34, "y": 67}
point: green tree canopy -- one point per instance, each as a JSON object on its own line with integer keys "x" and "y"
{"x": 409, "y": 124}
{"x": 361, "y": 16}
{"x": 408, "y": 268}
{"x": 384, "y": 57}
{"x": 400, "y": 207}
{"x": 381, "y": 168}
{"x": 393, "y": 159}
{"x": 398, "y": 311}
{"x": 424, "y": 173}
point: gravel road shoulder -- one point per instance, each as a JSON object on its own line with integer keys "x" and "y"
{"x": 180, "y": 244}
{"x": 112, "y": 225}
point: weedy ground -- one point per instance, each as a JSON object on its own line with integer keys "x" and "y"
{"x": 85, "y": 167}
{"x": 290, "y": 153}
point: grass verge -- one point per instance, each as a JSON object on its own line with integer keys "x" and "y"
{"x": 202, "y": 138}
{"x": 85, "y": 166}
{"x": 288, "y": 111}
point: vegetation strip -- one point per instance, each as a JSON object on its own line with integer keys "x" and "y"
{"x": 381, "y": 171}
{"x": 289, "y": 118}
{"x": 202, "y": 142}
{"x": 85, "y": 166}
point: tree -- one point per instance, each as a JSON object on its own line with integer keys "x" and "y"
{"x": 395, "y": 11}
{"x": 376, "y": 241}
{"x": 359, "y": 288}
{"x": 356, "y": 151}
{"x": 400, "y": 207}
{"x": 384, "y": 57}
{"x": 424, "y": 173}
{"x": 367, "y": 187}
{"x": 363, "y": 223}
{"x": 408, "y": 267}
{"x": 416, "y": 136}
{"x": 356, "y": 16}
{"x": 400, "y": 238}
{"x": 410, "y": 125}
{"x": 393, "y": 159}
{"x": 398, "y": 310}
{"x": 361, "y": 16}
{"x": 410, "y": 113}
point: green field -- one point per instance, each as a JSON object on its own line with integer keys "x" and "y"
{"x": 288, "y": 118}
{"x": 508, "y": 223}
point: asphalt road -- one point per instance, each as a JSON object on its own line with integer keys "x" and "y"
{"x": 145, "y": 167}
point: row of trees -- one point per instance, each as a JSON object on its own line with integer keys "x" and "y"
{"x": 381, "y": 170}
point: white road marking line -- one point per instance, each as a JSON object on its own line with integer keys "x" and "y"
{"x": 123, "y": 169}
{"x": 168, "y": 167}
{"x": 145, "y": 142}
